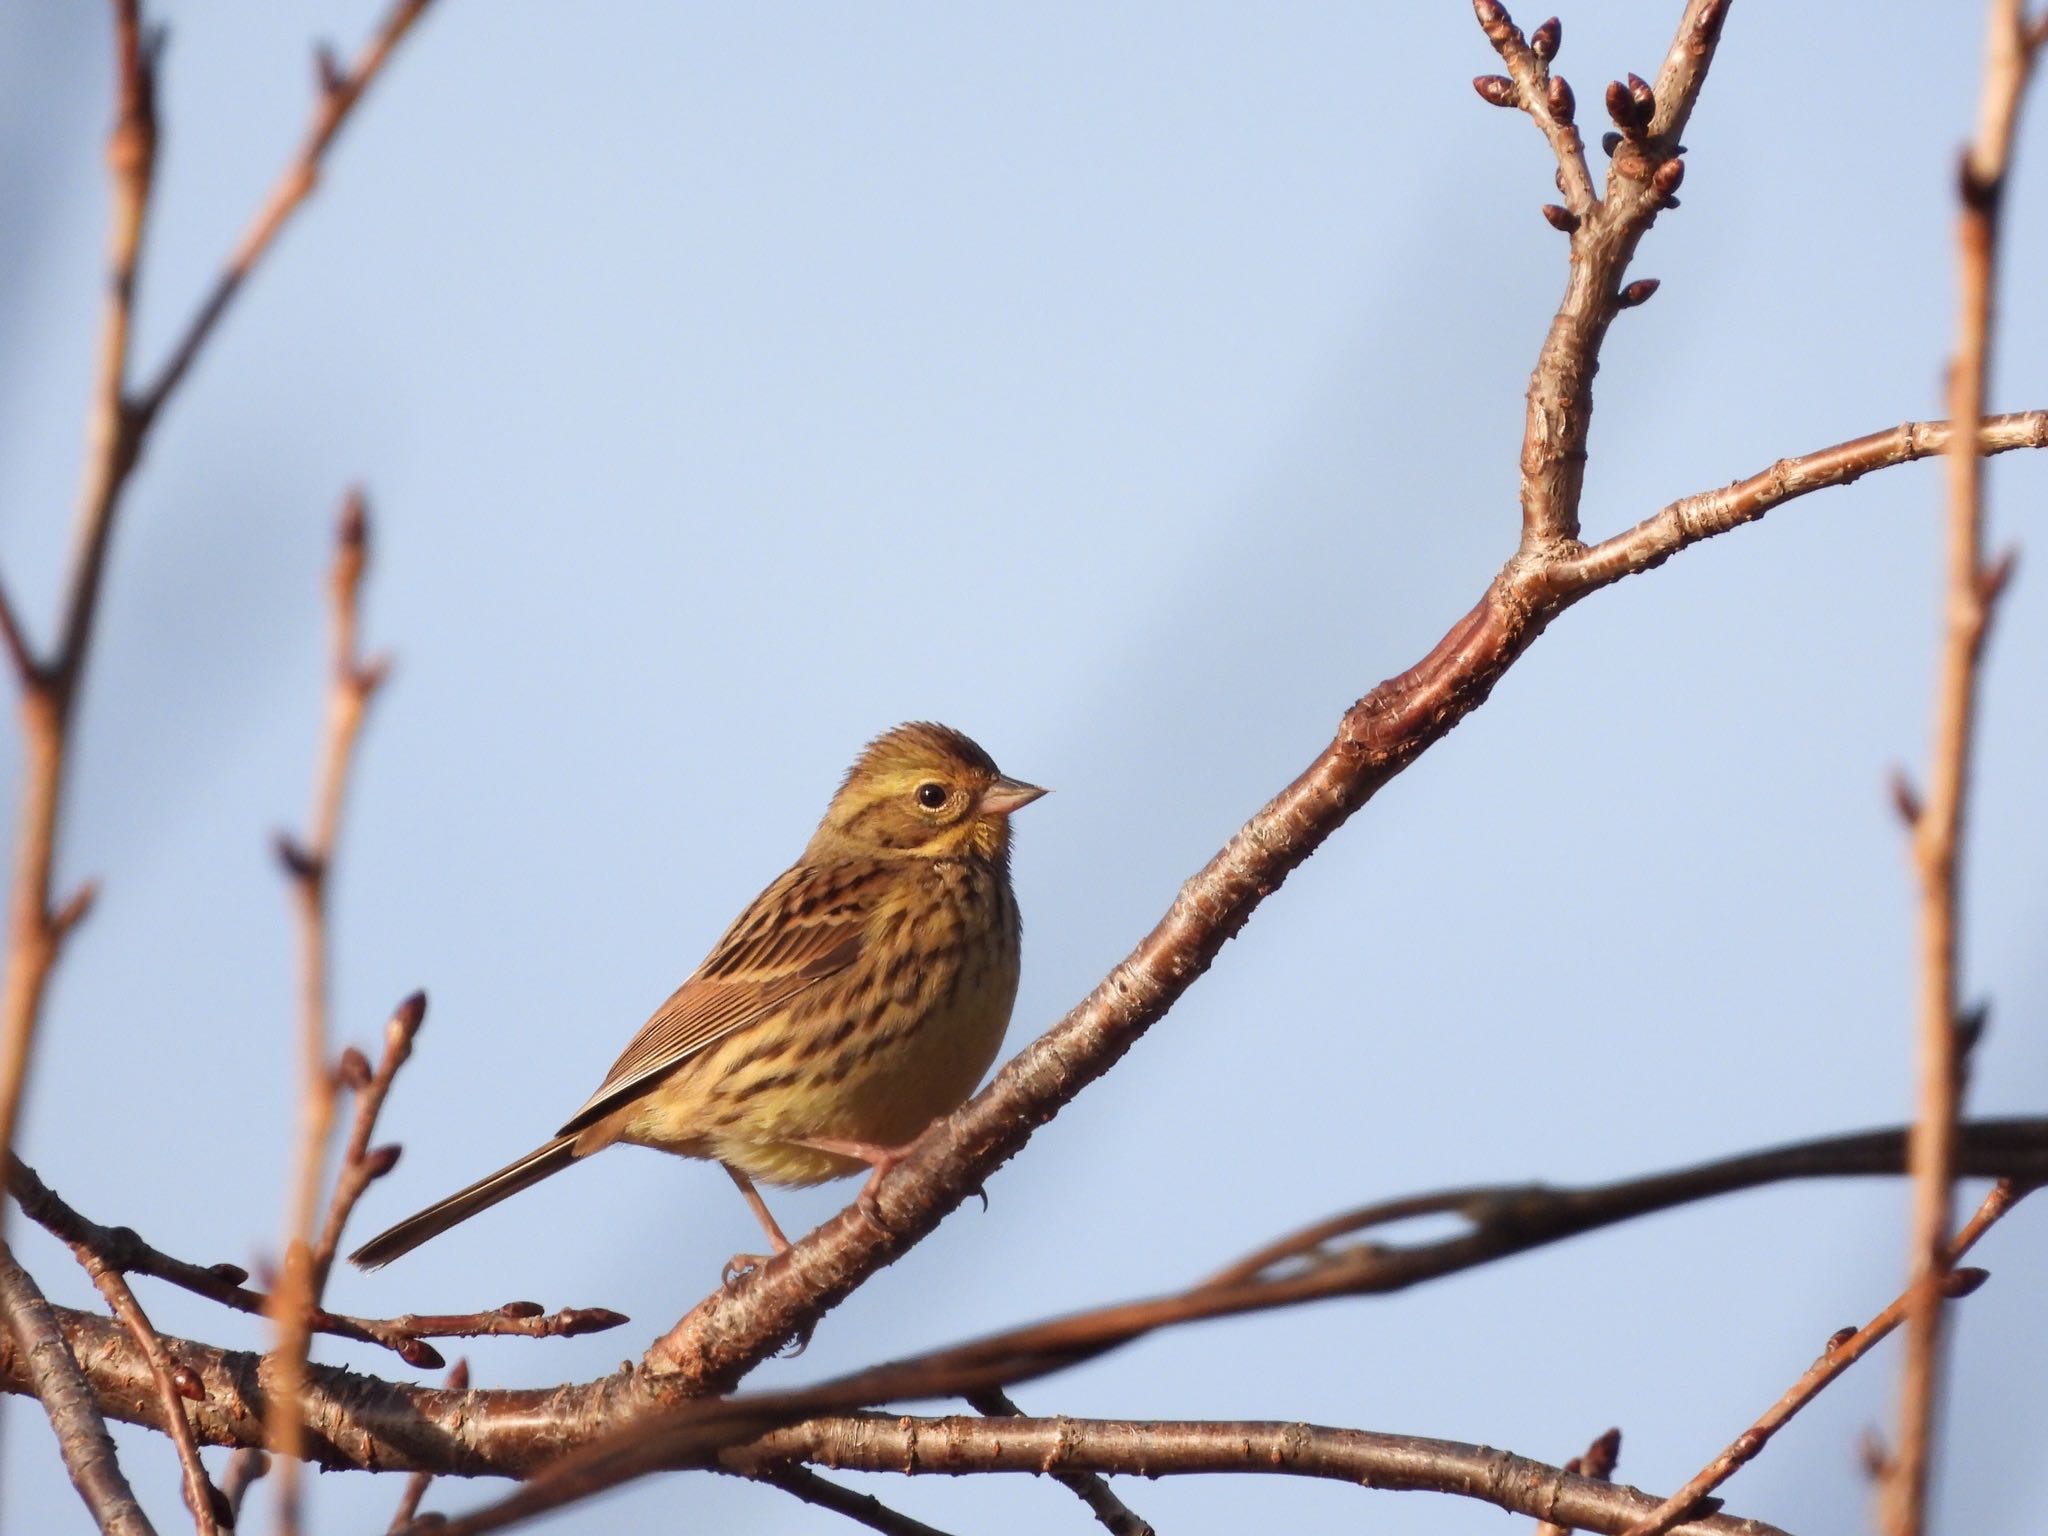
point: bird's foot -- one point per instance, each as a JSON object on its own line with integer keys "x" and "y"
{"x": 743, "y": 1264}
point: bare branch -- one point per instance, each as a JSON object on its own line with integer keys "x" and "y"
{"x": 953, "y": 1446}
{"x": 1938, "y": 831}
{"x": 173, "y": 1383}
{"x": 1843, "y": 1351}
{"x": 308, "y": 866}
{"x": 34, "y": 937}
{"x": 1690, "y": 519}
{"x": 52, "y": 1373}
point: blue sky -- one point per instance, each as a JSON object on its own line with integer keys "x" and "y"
{"x": 1131, "y": 386}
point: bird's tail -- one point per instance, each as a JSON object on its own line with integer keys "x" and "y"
{"x": 465, "y": 1203}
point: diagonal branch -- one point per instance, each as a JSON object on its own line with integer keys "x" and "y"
{"x": 52, "y": 1373}
{"x": 340, "y": 91}
{"x": 734, "y": 1329}
{"x": 1843, "y": 1351}
{"x": 1972, "y": 590}
{"x": 173, "y": 1382}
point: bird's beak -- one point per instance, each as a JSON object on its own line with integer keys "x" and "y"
{"x": 1007, "y": 795}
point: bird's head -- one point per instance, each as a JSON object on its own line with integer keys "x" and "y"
{"x": 923, "y": 791}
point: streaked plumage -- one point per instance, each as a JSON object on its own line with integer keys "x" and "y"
{"x": 859, "y": 997}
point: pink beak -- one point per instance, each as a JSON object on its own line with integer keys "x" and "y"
{"x": 1007, "y": 795}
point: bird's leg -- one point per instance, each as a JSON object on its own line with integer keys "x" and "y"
{"x": 741, "y": 1262}
{"x": 880, "y": 1159}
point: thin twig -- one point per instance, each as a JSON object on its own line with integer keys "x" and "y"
{"x": 1843, "y": 1351}
{"x": 309, "y": 867}
{"x": 1972, "y": 590}
{"x": 1598, "y": 1463}
{"x": 173, "y": 1383}
{"x": 361, "y": 1165}
{"x": 123, "y": 1249}
{"x": 1090, "y": 1488}
{"x": 340, "y": 91}
{"x": 54, "y": 1375}
{"x": 51, "y": 688}
{"x": 861, "y": 1508}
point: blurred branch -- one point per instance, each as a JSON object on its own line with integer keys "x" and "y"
{"x": 1089, "y": 1487}
{"x": 123, "y": 1250}
{"x": 117, "y": 427}
{"x": 1843, "y": 1351}
{"x": 340, "y": 91}
{"x": 1972, "y": 591}
{"x": 308, "y": 867}
{"x": 1598, "y": 1463}
{"x": 360, "y": 1421}
{"x": 50, "y": 1371}
{"x": 957, "y": 1446}
{"x": 50, "y": 686}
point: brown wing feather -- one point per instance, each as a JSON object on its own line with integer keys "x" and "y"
{"x": 807, "y": 926}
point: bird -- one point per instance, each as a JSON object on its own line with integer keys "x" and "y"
{"x": 859, "y": 997}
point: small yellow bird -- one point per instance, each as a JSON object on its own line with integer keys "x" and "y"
{"x": 860, "y": 997}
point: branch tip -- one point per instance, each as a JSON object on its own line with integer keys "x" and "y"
{"x": 1559, "y": 218}
{"x": 1906, "y": 799}
{"x": 300, "y": 862}
{"x": 1546, "y": 39}
{"x": 1637, "y": 292}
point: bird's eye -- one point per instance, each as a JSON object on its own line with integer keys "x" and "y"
{"x": 931, "y": 796}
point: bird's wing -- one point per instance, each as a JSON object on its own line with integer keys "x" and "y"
{"x": 807, "y": 926}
